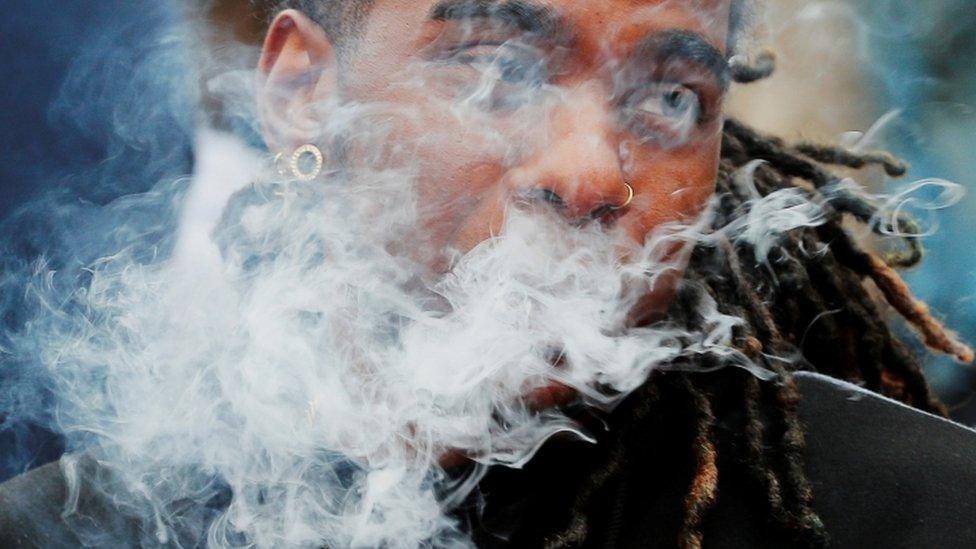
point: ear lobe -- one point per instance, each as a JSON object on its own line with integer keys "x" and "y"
{"x": 296, "y": 70}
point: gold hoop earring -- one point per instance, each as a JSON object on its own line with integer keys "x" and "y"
{"x": 303, "y": 155}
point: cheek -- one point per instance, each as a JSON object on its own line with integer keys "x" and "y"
{"x": 452, "y": 164}
{"x": 448, "y": 193}
{"x": 671, "y": 186}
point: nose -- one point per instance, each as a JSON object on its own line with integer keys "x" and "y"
{"x": 578, "y": 171}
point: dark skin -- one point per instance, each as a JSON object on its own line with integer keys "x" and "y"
{"x": 586, "y": 98}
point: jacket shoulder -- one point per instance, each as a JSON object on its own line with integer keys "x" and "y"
{"x": 30, "y": 509}
{"x": 885, "y": 474}
{"x": 41, "y": 508}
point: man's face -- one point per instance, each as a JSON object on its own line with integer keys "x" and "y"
{"x": 557, "y": 105}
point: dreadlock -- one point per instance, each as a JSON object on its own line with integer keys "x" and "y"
{"x": 817, "y": 305}
{"x": 820, "y": 303}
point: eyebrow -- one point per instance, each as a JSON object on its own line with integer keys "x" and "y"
{"x": 688, "y": 46}
{"x": 525, "y": 16}
{"x": 533, "y": 18}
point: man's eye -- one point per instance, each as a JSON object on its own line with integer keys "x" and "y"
{"x": 508, "y": 76}
{"x": 671, "y": 101}
{"x": 507, "y": 66}
{"x": 517, "y": 71}
{"x": 664, "y": 113}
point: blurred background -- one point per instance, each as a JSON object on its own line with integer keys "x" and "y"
{"x": 906, "y": 69}
{"x": 81, "y": 126}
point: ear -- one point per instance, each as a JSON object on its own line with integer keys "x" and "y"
{"x": 296, "y": 72}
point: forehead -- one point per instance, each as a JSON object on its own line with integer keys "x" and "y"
{"x": 592, "y": 24}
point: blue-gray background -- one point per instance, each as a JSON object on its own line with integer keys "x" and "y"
{"x": 922, "y": 56}
{"x": 92, "y": 109}
{"x": 83, "y": 122}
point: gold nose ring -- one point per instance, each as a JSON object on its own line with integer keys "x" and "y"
{"x": 630, "y": 197}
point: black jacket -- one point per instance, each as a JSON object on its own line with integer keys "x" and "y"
{"x": 885, "y": 475}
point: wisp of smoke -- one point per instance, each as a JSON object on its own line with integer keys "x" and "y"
{"x": 288, "y": 377}
{"x": 298, "y": 363}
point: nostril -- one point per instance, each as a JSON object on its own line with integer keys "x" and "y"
{"x": 548, "y": 196}
{"x": 606, "y": 211}
{"x": 602, "y": 212}
{"x": 552, "y": 197}
{"x": 533, "y": 197}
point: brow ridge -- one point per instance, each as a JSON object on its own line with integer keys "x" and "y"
{"x": 526, "y": 16}
{"x": 689, "y": 46}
